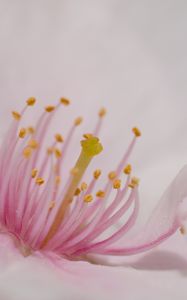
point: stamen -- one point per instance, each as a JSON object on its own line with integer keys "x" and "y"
{"x": 65, "y": 101}
{"x": 59, "y": 138}
{"x": 90, "y": 148}
{"x": 52, "y": 205}
{"x": 33, "y": 144}
{"x": 77, "y": 192}
{"x": 34, "y": 173}
{"x": 136, "y": 131}
{"x": 58, "y": 153}
{"x": 100, "y": 194}
{"x": 50, "y": 108}
{"x": 40, "y": 181}
{"x": 88, "y": 198}
{"x": 97, "y": 174}
{"x": 31, "y": 130}
{"x": 117, "y": 184}
{"x": 183, "y": 230}
{"x": 112, "y": 175}
{"x": 31, "y": 101}
{"x": 134, "y": 182}
{"x": 128, "y": 169}
{"x": 84, "y": 186}
{"x": 16, "y": 115}
{"x": 102, "y": 112}
{"x": 50, "y": 151}
{"x": 87, "y": 135}
{"x": 27, "y": 152}
{"x": 22, "y": 133}
{"x": 78, "y": 121}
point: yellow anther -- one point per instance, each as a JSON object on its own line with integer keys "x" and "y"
{"x": 117, "y": 184}
{"x": 84, "y": 186}
{"x": 34, "y": 173}
{"x": 58, "y": 180}
{"x": 50, "y": 150}
{"x": 183, "y": 230}
{"x": 112, "y": 175}
{"x": 65, "y": 101}
{"x": 88, "y": 198}
{"x": 134, "y": 182}
{"x": 128, "y": 169}
{"x": 59, "y": 138}
{"x": 58, "y": 153}
{"x": 78, "y": 121}
{"x": 27, "y": 152}
{"x": 16, "y": 115}
{"x": 74, "y": 171}
{"x": 87, "y": 135}
{"x": 52, "y": 205}
{"x": 31, "y": 130}
{"x": 31, "y": 101}
{"x": 33, "y": 144}
{"x": 97, "y": 174}
{"x": 91, "y": 146}
{"x": 40, "y": 181}
{"x": 50, "y": 108}
{"x": 22, "y": 133}
{"x": 102, "y": 112}
{"x": 100, "y": 194}
{"x": 136, "y": 131}
{"x": 77, "y": 192}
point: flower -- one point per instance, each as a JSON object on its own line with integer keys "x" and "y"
{"x": 73, "y": 220}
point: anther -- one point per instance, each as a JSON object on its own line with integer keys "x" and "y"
{"x": 59, "y": 138}
{"x": 84, "y": 186}
{"x": 50, "y": 108}
{"x": 40, "y": 181}
{"x": 112, "y": 175}
{"x": 88, "y": 198}
{"x": 34, "y": 173}
{"x": 117, "y": 184}
{"x": 87, "y": 135}
{"x": 100, "y": 194}
{"x": 22, "y": 133}
{"x": 27, "y": 152}
{"x": 65, "y": 101}
{"x": 134, "y": 182}
{"x": 78, "y": 121}
{"x": 31, "y": 130}
{"x": 102, "y": 112}
{"x": 77, "y": 192}
{"x": 16, "y": 115}
{"x": 33, "y": 144}
{"x": 136, "y": 131}
{"x": 183, "y": 230}
{"x": 128, "y": 169}
{"x": 31, "y": 101}
{"x": 97, "y": 174}
{"x": 58, "y": 153}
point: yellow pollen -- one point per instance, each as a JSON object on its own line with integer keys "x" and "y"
{"x": 33, "y": 144}
{"x": 58, "y": 180}
{"x": 88, "y": 198}
{"x": 134, "y": 182}
{"x": 22, "y": 133}
{"x": 50, "y": 108}
{"x": 31, "y": 101}
{"x": 34, "y": 173}
{"x": 27, "y": 152}
{"x": 16, "y": 115}
{"x": 52, "y": 205}
{"x": 59, "y": 138}
{"x": 102, "y": 112}
{"x": 183, "y": 230}
{"x": 40, "y": 181}
{"x": 77, "y": 192}
{"x": 78, "y": 121}
{"x": 31, "y": 130}
{"x": 58, "y": 153}
{"x": 100, "y": 194}
{"x": 112, "y": 175}
{"x": 87, "y": 135}
{"x": 50, "y": 151}
{"x": 84, "y": 186}
{"x": 97, "y": 174}
{"x": 128, "y": 169}
{"x": 117, "y": 184}
{"x": 136, "y": 131}
{"x": 65, "y": 101}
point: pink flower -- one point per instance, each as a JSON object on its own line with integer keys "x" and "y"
{"x": 64, "y": 216}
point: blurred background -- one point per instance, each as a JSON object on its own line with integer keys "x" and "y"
{"x": 129, "y": 56}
